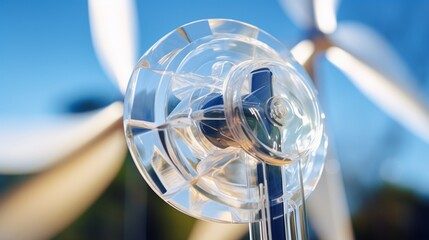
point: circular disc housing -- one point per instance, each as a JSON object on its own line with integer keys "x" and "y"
{"x": 209, "y": 103}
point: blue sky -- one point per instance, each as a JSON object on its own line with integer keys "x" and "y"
{"x": 47, "y": 59}
{"x": 46, "y": 55}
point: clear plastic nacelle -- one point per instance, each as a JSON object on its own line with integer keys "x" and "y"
{"x": 216, "y": 110}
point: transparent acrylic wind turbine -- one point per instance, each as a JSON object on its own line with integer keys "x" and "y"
{"x": 225, "y": 126}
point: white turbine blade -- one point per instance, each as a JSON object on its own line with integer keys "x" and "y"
{"x": 214, "y": 231}
{"x": 113, "y": 30}
{"x": 45, "y": 204}
{"x": 27, "y": 147}
{"x": 303, "y": 51}
{"x": 327, "y": 205}
{"x": 300, "y": 11}
{"x": 325, "y": 15}
{"x": 397, "y": 101}
{"x": 312, "y": 14}
{"x": 369, "y": 46}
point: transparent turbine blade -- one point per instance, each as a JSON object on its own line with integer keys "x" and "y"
{"x": 114, "y": 34}
{"x": 47, "y": 203}
{"x": 400, "y": 103}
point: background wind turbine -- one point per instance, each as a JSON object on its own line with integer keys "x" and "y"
{"x": 375, "y": 69}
